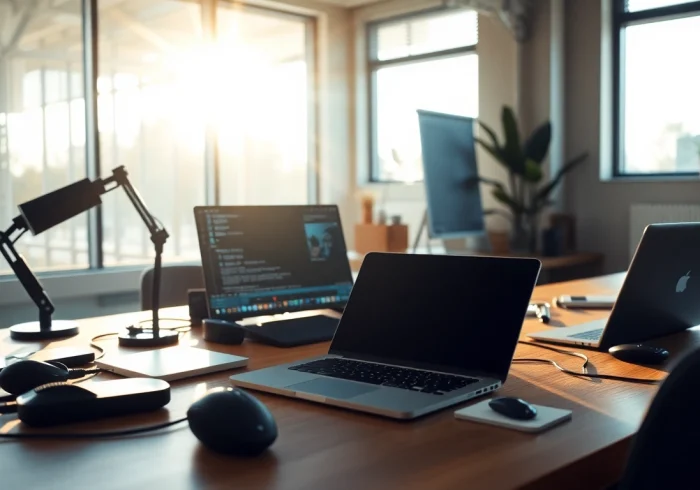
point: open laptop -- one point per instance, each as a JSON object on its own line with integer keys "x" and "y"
{"x": 419, "y": 333}
{"x": 282, "y": 272}
{"x": 658, "y": 297}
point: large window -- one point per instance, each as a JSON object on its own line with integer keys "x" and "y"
{"x": 657, "y": 106}
{"x": 195, "y": 119}
{"x": 425, "y": 61}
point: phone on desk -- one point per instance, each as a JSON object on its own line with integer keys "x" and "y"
{"x": 585, "y": 302}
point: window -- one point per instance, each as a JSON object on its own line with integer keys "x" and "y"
{"x": 162, "y": 91}
{"x": 425, "y": 61}
{"x": 657, "y": 106}
{"x": 42, "y": 123}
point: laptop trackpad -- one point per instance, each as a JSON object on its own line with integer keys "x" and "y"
{"x": 332, "y": 388}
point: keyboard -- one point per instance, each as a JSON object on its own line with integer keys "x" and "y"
{"x": 392, "y": 376}
{"x": 589, "y": 335}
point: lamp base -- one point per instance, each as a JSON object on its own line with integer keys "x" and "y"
{"x": 147, "y": 339}
{"x": 32, "y": 331}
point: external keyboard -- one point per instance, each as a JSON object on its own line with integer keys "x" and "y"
{"x": 392, "y": 376}
{"x": 588, "y": 335}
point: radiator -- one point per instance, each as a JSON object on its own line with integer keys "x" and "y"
{"x": 642, "y": 215}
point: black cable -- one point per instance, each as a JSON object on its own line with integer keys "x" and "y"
{"x": 93, "y": 435}
{"x": 139, "y": 328}
{"x": 584, "y": 371}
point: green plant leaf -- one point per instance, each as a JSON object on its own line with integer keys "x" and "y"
{"x": 494, "y": 151}
{"x": 475, "y": 180}
{"x": 491, "y": 133}
{"x": 511, "y": 149}
{"x": 544, "y": 192}
{"x": 533, "y": 171}
{"x": 537, "y": 145}
{"x": 502, "y": 196}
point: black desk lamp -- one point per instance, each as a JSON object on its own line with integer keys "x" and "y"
{"x": 54, "y": 208}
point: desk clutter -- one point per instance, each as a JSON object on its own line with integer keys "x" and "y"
{"x": 412, "y": 353}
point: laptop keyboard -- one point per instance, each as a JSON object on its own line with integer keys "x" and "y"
{"x": 589, "y": 335}
{"x": 379, "y": 374}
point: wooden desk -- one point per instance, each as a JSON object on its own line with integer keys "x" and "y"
{"x": 553, "y": 268}
{"x": 322, "y": 447}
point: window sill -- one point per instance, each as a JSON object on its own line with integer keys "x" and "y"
{"x": 76, "y": 284}
{"x": 652, "y": 179}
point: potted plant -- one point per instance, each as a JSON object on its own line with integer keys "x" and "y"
{"x": 526, "y": 194}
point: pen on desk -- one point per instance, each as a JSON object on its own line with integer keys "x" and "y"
{"x": 542, "y": 312}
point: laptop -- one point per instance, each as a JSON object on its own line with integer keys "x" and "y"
{"x": 658, "y": 297}
{"x": 419, "y": 333}
{"x": 273, "y": 263}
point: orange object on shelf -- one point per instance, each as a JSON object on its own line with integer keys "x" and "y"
{"x": 380, "y": 238}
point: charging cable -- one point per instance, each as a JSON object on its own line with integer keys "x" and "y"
{"x": 584, "y": 367}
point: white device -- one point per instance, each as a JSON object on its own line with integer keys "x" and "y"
{"x": 546, "y": 417}
{"x": 171, "y": 363}
{"x": 584, "y": 302}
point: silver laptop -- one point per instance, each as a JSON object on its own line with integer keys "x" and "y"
{"x": 419, "y": 333}
{"x": 658, "y": 297}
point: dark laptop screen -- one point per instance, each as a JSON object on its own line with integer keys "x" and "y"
{"x": 260, "y": 260}
{"x": 460, "y": 313}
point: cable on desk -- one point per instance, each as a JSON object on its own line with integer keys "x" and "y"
{"x": 93, "y": 435}
{"x": 137, "y": 328}
{"x": 584, "y": 367}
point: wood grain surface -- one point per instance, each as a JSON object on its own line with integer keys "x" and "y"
{"x": 321, "y": 447}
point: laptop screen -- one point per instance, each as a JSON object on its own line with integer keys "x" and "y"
{"x": 261, "y": 260}
{"x": 459, "y": 314}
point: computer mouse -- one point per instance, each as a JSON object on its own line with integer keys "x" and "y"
{"x": 231, "y": 421}
{"x": 513, "y": 408}
{"x": 23, "y": 376}
{"x": 639, "y": 353}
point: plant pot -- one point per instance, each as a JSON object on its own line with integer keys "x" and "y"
{"x": 523, "y": 238}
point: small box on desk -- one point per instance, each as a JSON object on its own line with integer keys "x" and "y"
{"x": 380, "y": 238}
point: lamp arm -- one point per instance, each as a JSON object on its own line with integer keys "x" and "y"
{"x": 26, "y": 277}
{"x": 159, "y": 235}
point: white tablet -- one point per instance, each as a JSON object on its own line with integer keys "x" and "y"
{"x": 171, "y": 363}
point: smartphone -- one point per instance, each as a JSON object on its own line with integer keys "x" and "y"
{"x": 583, "y": 302}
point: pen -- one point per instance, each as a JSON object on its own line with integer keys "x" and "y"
{"x": 542, "y": 312}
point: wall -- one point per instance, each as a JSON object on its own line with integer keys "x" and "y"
{"x": 601, "y": 208}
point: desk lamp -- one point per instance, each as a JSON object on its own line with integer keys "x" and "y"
{"x": 54, "y": 208}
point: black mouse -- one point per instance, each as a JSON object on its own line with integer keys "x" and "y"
{"x": 231, "y": 421}
{"x": 513, "y": 408}
{"x": 639, "y": 353}
{"x": 23, "y": 376}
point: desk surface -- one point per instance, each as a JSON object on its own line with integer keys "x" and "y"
{"x": 548, "y": 263}
{"x": 321, "y": 447}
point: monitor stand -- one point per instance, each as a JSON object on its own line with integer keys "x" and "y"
{"x": 476, "y": 244}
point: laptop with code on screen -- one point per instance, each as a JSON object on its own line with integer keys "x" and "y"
{"x": 273, "y": 264}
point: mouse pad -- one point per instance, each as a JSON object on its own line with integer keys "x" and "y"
{"x": 546, "y": 418}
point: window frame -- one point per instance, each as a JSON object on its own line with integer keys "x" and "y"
{"x": 94, "y": 167}
{"x": 622, "y": 19}
{"x": 374, "y": 65}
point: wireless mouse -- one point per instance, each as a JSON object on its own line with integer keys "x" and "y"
{"x": 24, "y": 376}
{"x": 231, "y": 421}
{"x": 513, "y": 408}
{"x": 639, "y": 354}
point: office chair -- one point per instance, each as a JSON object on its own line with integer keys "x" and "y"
{"x": 665, "y": 452}
{"x": 174, "y": 283}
